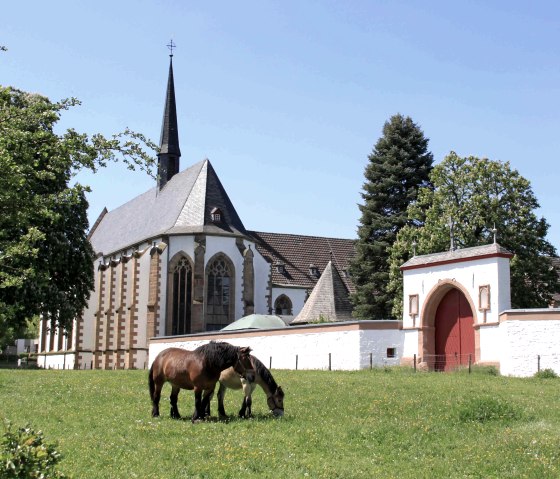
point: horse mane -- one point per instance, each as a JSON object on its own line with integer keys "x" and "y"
{"x": 265, "y": 374}
{"x": 216, "y": 353}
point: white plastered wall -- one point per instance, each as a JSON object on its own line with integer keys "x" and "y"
{"x": 307, "y": 347}
{"x": 530, "y": 339}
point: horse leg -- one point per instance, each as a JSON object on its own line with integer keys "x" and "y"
{"x": 245, "y": 410}
{"x": 209, "y": 395}
{"x": 221, "y": 396}
{"x": 155, "y": 394}
{"x": 198, "y": 411}
{"x": 173, "y": 400}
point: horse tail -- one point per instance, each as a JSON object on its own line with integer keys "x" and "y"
{"x": 151, "y": 382}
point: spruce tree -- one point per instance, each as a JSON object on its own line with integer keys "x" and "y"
{"x": 398, "y": 166}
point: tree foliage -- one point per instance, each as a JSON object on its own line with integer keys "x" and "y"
{"x": 46, "y": 261}
{"x": 479, "y": 195}
{"x": 397, "y": 168}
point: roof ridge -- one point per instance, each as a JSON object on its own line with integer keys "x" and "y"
{"x": 301, "y": 235}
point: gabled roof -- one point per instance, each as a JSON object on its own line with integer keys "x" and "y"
{"x": 329, "y": 301}
{"x": 297, "y": 253}
{"x": 456, "y": 256}
{"x": 182, "y": 206}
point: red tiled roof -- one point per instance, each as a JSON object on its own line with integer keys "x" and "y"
{"x": 297, "y": 252}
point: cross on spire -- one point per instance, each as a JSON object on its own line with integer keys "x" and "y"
{"x": 171, "y": 46}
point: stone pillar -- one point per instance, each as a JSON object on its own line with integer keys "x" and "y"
{"x": 70, "y": 336}
{"x": 132, "y": 335}
{"x": 110, "y": 320}
{"x": 99, "y": 319}
{"x": 197, "y": 316}
{"x": 44, "y": 328}
{"x": 154, "y": 291}
{"x": 120, "y": 324}
{"x": 60, "y": 345}
{"x": 248, "y": 282}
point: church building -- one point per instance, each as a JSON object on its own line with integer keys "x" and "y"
{"x": 178, "y": 260}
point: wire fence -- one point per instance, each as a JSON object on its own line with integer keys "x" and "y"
{"x": 326, "y": 361}
{"x": 448, "y": 362}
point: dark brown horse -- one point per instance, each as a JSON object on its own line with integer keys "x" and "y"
{"x": 199, "y": 370}
{"x": 263, "y": 378}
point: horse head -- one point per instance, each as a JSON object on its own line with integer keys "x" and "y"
{"x": 243, "y": 366}
{"x": 276, "y": 402}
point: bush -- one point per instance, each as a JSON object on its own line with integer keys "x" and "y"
{"x": 487, "y": 409}
{"x": 24, "y": 454}
{"x": 546, "y": 374}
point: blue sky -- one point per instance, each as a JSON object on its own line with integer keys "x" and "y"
{"x": 287, "y": 98}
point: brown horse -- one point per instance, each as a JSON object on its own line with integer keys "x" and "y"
{"x": 199, "y": 370}
{"x": 263, "y": 378}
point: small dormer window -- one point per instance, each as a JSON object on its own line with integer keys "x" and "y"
{"x": 313, "y": 270}
{"x": 280, "y": 268}
{"x": 216, "y": 215}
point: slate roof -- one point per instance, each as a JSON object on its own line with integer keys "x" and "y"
{"x": 456, "y": 255}
{"x": 169, "y": 139}
{"x": 329, "y": 300}
{"x": 182, "y": 206}
{"x": 297, "y": 252}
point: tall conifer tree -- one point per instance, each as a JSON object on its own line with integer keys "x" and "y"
{"x": 398, "y": 166}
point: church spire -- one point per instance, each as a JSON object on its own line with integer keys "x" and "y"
{"x": 169, "y": 154}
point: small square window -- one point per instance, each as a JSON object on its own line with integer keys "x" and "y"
{"x": 391, "y": 352}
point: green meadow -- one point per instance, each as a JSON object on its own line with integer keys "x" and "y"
{"x": 386, "y": 423}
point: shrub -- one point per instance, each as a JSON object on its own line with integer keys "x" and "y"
{"x": 24, "y": 454}
{"x": 487, "y": 409}
{"x": 546, "y": 374}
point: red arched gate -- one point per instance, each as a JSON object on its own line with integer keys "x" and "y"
{"x": 454, "y": 332}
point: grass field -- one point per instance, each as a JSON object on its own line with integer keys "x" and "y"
{"x": 386, "y": 423}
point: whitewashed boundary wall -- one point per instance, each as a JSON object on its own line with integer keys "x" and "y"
{"x": 530, "y": 338}
{"x": 339, "y": 346}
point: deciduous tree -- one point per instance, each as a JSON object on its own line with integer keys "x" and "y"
{"x": 479, "y": 198}
{"x": 46, "y": 261}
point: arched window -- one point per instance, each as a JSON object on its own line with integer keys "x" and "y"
{"x": 283, "y": 305}
{"x": 220, "y": 306}
{"x": 181, "y": 297}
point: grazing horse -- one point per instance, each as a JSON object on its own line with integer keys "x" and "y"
{"x": 199, "y": 370}
{"x": 263, "y": 377}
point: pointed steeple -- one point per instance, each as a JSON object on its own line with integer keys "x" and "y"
{"x": 169, "y": 154}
